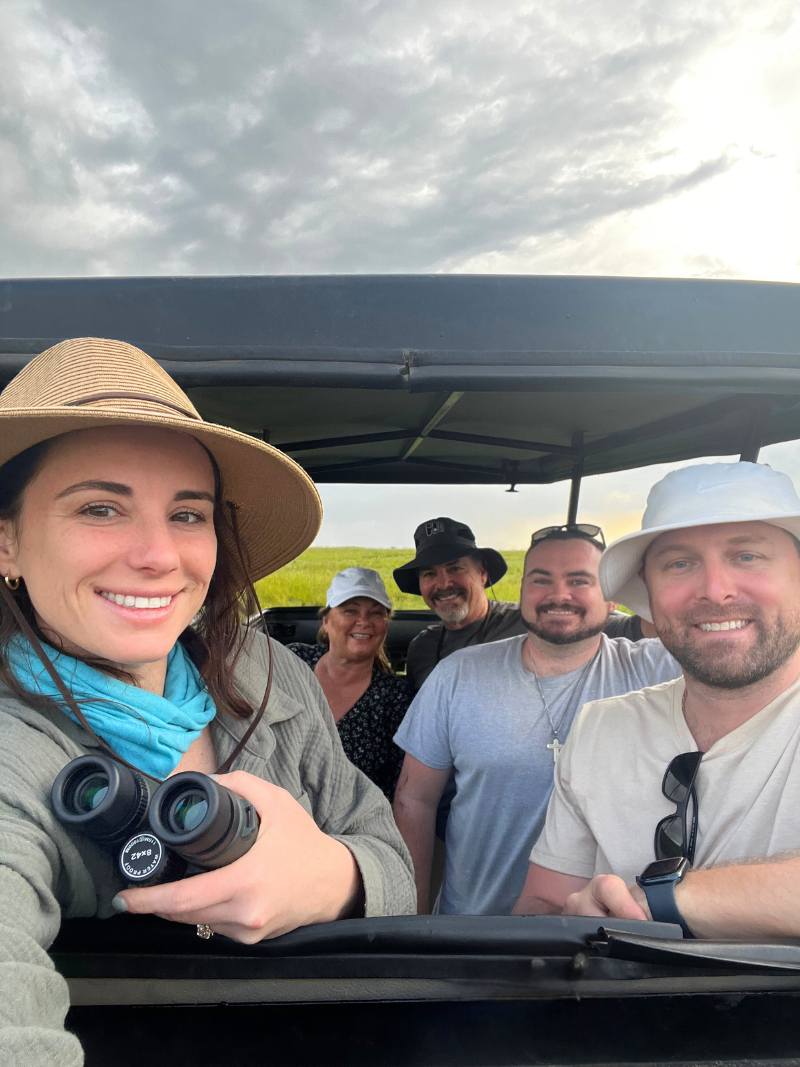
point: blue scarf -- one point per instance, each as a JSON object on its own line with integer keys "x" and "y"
{"x": 151, "y": 732}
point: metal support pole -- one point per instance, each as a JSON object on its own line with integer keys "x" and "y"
{"x": 755, "y": 432}
{"x": 577, "y": 474}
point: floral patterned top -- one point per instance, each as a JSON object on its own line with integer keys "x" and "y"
{"x": 367, "y": 729}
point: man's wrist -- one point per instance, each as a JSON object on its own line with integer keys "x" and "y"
{"x": 640, "y": 897}
{"x": 659, "y": 882}
{"x": 683, "y": 900}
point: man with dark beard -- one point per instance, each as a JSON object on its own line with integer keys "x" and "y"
{"x": 498, "y": 714}
{"x": 688, "y": 792}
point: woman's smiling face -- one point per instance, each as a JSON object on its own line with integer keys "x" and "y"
{"x": 115, "y": 543}
{"x": 356, "y": 628}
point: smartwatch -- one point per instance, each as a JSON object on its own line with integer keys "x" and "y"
{"x": 658, "y": 881}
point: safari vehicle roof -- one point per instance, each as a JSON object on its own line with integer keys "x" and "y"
{"x": 444, "y": 378}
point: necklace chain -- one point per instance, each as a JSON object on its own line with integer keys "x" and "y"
{"x": 555, "y": 745}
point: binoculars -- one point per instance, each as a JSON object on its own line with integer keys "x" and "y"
{"x": 189, "y": 823}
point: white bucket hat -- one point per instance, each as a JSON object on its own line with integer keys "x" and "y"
{"x": 702, "y": 495}
{"x": 357, "y": 581}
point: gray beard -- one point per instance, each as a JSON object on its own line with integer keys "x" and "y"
{"x": 772, "y": 649}
{"x": 455, "y": 614}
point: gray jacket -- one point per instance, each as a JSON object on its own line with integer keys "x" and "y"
{"x": 46, "y": 873}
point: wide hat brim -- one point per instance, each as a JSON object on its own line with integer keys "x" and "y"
{"x": 277, "y": 505}
{"x": 407, "y": 576}
{"x": 622, "y": 561}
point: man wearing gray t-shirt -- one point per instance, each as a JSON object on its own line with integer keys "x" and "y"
{"x": 497, "y": 716}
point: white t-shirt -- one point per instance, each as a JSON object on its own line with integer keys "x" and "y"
{"x": 607, "y": 797}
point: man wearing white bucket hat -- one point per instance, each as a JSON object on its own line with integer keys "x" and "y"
{"x": 679, "y": 802}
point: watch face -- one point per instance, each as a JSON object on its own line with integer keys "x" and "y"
{"x": 664, "y": 868}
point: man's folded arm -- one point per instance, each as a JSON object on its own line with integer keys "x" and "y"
{"x": 754, "y": 900}
{"x": 758, "y": 899}
{"x": 545, "y": 891}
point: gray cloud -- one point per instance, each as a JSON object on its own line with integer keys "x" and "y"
{"x": 312, "y": 137}
{"x": 170, "y": 136}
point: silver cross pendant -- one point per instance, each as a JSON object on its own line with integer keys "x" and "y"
{"x": 555, "y": 747}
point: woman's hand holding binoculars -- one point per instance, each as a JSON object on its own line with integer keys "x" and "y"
{"x": 294, "y": 874}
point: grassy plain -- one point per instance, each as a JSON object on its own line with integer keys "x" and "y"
{"x": 306, "y": 580}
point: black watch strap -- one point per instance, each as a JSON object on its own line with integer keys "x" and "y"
{"x": 663, "y": 905}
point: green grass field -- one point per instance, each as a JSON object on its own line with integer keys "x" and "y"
{"x": 305, "y": 581}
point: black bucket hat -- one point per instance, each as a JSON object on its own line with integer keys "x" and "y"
{"x": 439, "y": 541}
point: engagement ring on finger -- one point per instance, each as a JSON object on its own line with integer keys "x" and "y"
{"x": 204, "y": 931}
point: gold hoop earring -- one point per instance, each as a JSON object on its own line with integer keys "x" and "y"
{"x": 12, "y": 583}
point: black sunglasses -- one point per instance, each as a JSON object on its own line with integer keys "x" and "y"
{"x": 673, "y": 838}
{"x": 570, "y": 529}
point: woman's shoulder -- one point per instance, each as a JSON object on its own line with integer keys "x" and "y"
{"x": 310, "y": 654}
{"x": 35, "y": 748}
{"x": 263, "y": 666}
{"x": 28, "y": 731}
{"x": 293, "y": 687}
{"x": 259, "y": 650}
{"x": 391, "y": 686}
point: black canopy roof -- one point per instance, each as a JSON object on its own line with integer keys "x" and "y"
{"x": 449, "y": 378}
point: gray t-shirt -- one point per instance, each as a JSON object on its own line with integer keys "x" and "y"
{"x": 502, "y": 620}
{"x": 436, "y": 642}
{"x": 480, "y": 712}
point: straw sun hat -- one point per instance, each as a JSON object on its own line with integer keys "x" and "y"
{"x": 91, "y": 382}
{"x": 702, "y": 495}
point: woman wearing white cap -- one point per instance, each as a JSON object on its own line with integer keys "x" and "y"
{"x": 367, "y": 699}
{"x": 130, "y": 534}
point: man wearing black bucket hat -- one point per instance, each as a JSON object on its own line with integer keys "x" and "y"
{"x": 451, "y": 574}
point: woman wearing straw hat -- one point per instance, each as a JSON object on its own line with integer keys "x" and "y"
{"x": 367, "y": 698}
{"x": 130, "y": 534}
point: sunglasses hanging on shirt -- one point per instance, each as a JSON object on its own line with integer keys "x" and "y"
{"x": 675, "y": 835}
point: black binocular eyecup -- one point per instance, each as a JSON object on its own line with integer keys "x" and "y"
{"x": 104, "y": 799}
{"x": 202, "y": 821}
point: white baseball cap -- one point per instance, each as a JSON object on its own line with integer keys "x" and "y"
{"x": 702, "y": 495}
{"x": 357, "y": 581}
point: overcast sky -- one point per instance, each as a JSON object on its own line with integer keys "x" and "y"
{"x": 327, "y": 136}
